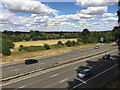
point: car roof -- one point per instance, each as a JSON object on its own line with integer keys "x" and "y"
{"x": 107, "y": 54}
{"x": 29, "y": 59}
{"x": 86, "y": 70}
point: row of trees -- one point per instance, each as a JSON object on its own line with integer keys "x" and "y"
{"x": 37, "y": 35}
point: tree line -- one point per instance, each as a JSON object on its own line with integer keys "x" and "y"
{"x": 18, "y": 36}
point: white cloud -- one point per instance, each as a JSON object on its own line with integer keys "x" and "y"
{"x": 113, "y": 19}
{"x": 108, "y": 15}
{"x": 86, "y": 16}
{"x": 94, "y": 10}
{"x": 95, "y": 3}
{"x": 33, "y": 15}
{"x": 28, "y": 6}
{"x": 76, "y": 21}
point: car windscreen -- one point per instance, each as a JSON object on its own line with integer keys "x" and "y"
{"x": 82, "y": 72}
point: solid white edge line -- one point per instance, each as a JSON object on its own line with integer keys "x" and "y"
{"x": 54, "y": 75}
{"x": 22, "y": 86}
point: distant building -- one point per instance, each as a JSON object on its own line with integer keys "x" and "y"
{"x": 101, "y": 39}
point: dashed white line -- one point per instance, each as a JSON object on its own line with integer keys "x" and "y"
{"x": 64, "y": 80}
{"x": 54, "y": 75}
{"x": 22, "y": 86}
{"x": 10, "y": 67}
{"x": 75, "y": 67}
{"x": 15, "y": 69}
{"x": 41, "y": 63}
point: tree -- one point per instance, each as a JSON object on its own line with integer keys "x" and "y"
{"x": 6, "y": 46}
{"x": 32, "y": 33}
{"x": 34, "y": 38}
{"x": 46, "y": 46}
{"x": 7, "y": 43}
{"x": 85, "y": 32}
{"x": 60, "y": 42}
{"x": 68, "y": 43}
{"x": 6, "y": 51}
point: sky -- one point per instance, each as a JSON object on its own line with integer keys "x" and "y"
{"x": 58, "y": 15}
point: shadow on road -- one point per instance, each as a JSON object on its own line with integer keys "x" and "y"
{"x": 73, "y": 83}
{"x": 97, "y": 67}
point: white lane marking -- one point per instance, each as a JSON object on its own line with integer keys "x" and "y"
{"x": 41, "y": 63}
{"x": 64, "y": 80}
{"x": 82, "y": 81}
{"x": 10, "y": 67}
{"x": 22, "y": 86}
{"x": 15, "y": 69}
{"x": 75, "y": 67}
{"x": 54, "y": 75}
{"x": 59, "y": 62}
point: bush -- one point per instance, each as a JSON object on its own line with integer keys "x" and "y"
{"x": 68, "y": 43}
{"x": 79, "y": 43}
{"x": 60, "y": 42}
{"x": 73, "y": 43}
{"x": 78, "y": 40}
{"x": 21, "y": 47}
{"x": 46, "y": 46}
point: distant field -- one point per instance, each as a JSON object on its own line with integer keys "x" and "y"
{"x": 41, "y": 42}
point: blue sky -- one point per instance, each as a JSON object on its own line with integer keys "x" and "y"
{"x": 25, "y": 15}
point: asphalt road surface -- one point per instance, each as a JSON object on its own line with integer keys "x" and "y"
{"x": 66, "y": 77}
{"x": 18, "y": 68}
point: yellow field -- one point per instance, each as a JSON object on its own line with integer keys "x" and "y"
{"x": 41, "y": 42}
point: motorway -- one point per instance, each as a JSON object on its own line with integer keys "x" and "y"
{"x": 18, "y": 68}
{"x": 65, "y": 77}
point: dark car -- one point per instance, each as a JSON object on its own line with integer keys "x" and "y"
{"x": 106, "y": 56}
{"x": 30, "y": 61}
{"x": 84, "y": 73}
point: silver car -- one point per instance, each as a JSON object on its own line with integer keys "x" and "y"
{"x": 97, "y": 47}
{"x": 84, "y": 73}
